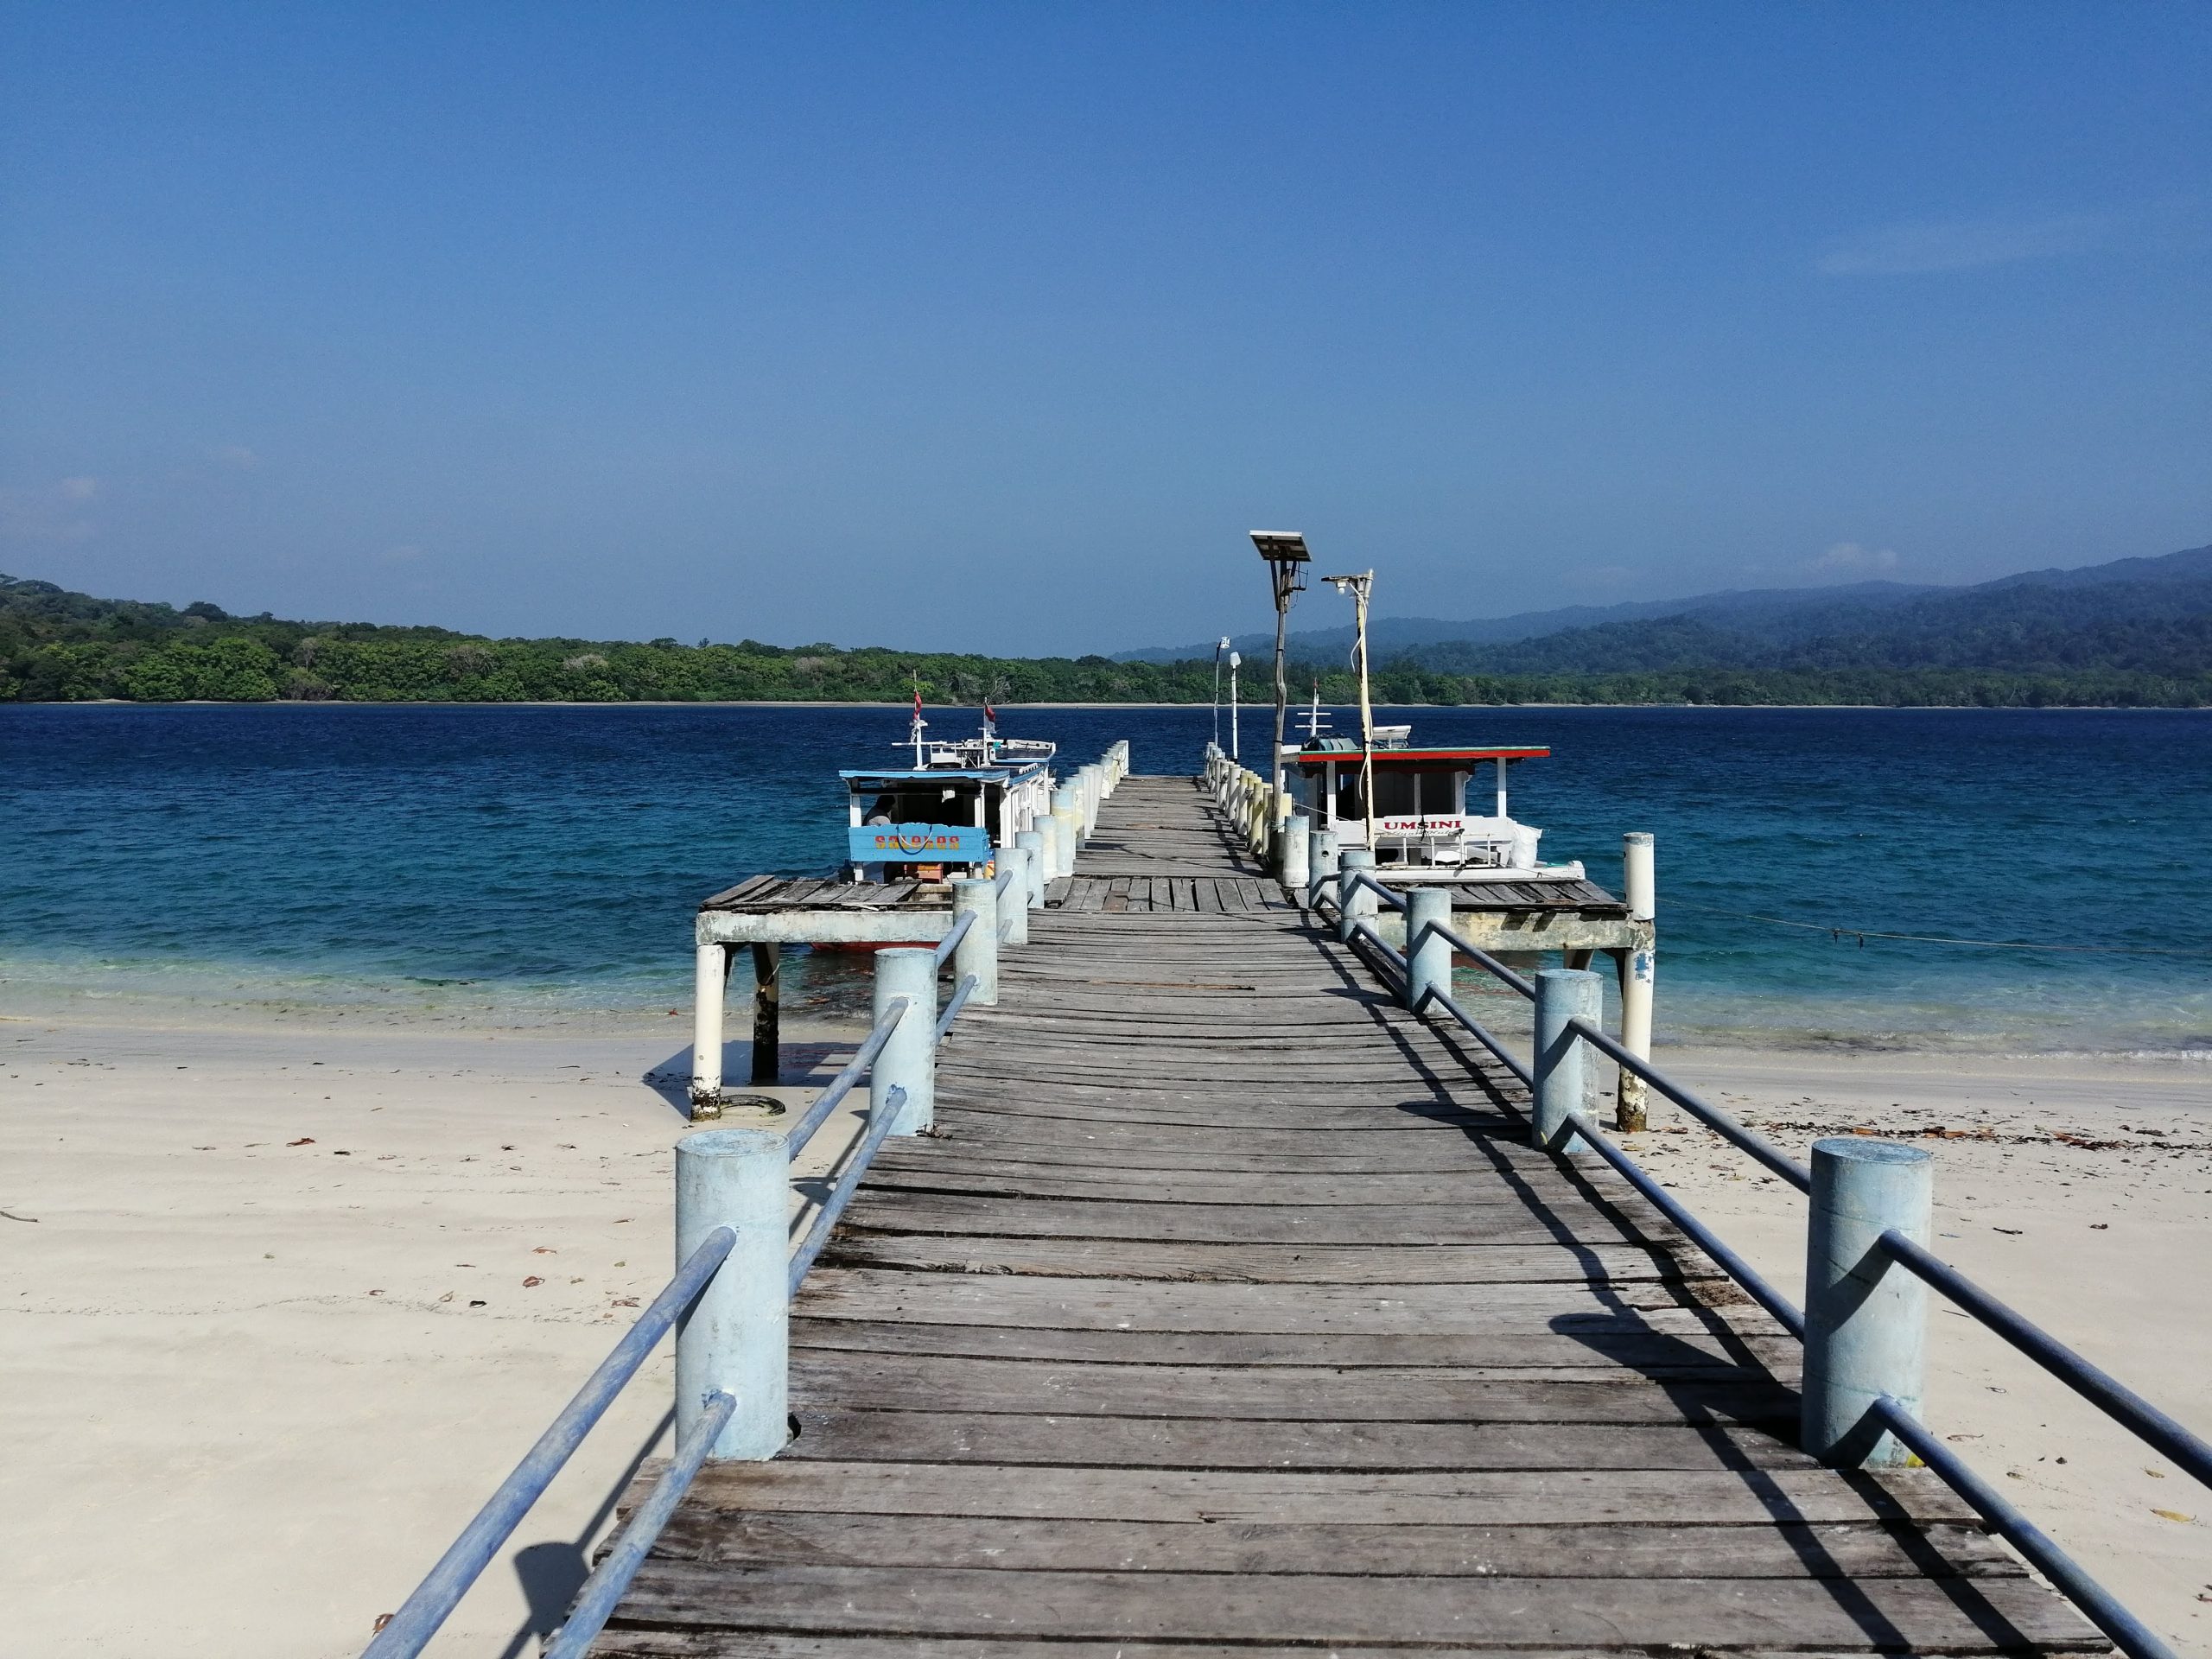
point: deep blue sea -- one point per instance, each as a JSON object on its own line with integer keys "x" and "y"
{"x": 546, "y": 860}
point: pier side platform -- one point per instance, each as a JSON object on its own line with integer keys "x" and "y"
{"x": 1229, "y": 1307}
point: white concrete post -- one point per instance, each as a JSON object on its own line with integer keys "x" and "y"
{"x": 1297, "y": 858}
{"x": 1048, "y": 847}
{"x": 735, "y": 1339}
{"x": 1323, "y": 857}
{"x": 709, "y": 986}
{"x": 1428, "y": 959}
{"x": 1639, "y": 888}
{"x": 908, "y": 1061}
{"x": 1866, "y": 1317}
{"x": 1566, "y": 1078}
{"x": 1032, "y": 843}
{"x": 1013, "y": 899}
{"x": 1355, "y": 903}
{"x": 977, "y": 953}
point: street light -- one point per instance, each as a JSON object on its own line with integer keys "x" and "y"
{"x": 1361, "y": 587}
{"x": 1285, "y": 552}
{"x": 1220, "y": 646}
{"x": 1234, "y": 662}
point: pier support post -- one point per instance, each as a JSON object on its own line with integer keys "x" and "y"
{"x": 1297, "y": 858}
{"x": 1032, "y": 843}
{"x": 1324, "y": 860}
{"x": 1013, "y": 898}
{"x": 1428, "y": 959}
{"x": 1866, "y": 1317}
{"x": 1565, "y": 1078}
{"x": 908, "y": 1060}
{"x": 1354, "y": 904}
{"x": 1048, "y": 847}
{"x": 767, "y": 1013}
{"x": 735, "y": 1339}
{"x": 710, "y": 974}
{"x": 977, "y": 953}
{"x": 1639, "y": 888}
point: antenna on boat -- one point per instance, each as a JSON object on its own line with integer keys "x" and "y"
{"x": 1313, "y": 718}
{"x": 919, "y": 723}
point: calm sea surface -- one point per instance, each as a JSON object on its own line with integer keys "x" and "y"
{"x": 546, "y": 859}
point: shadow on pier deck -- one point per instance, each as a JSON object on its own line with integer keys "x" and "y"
{"x": 1228, "y": 1310}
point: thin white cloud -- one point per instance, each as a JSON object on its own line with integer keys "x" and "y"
{"x": 1851, "y": 557}
{"x": 1924, "y": 247}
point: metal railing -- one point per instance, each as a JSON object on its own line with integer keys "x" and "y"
{"x": 730, "y": 1300}
{"x": 1836, "y": 1328}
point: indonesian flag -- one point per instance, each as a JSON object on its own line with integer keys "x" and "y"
{"x": 989, "y": 713}
{"x": 918, "y": 702}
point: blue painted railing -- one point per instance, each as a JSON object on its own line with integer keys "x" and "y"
{"x": 2154, "y": 1428}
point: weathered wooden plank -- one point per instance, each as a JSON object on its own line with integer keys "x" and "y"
{"x": 1374, "y": 1264}
{"x": 1276, "y": 1497}
{"x": 1965, "y": 1615}
{"x": 1824, "y": 1552}
{"x": 1426, "y": 1223}
{"x": 1594, "y": 1311}
{"x": 925, "y": 1382}
{"x": 643, "y": 1643}
{"x": 752, "y": 884}
{"x": 858, "y": 1435}
{"x": 1665, "y": 1349}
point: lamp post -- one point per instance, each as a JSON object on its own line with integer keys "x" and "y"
{"x": 1235, "y": 661}
{"x": 1220, "y": 645}
{"x": 1361, "y": 587}
{"x": 1285, "y": 552}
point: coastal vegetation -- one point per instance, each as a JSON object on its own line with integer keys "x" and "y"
{"x": 56, "y": 645}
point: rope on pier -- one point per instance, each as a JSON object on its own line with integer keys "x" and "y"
{"x": 1862, "y": 934}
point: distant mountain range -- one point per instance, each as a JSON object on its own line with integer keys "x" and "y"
{"x": 2145, "y": 614}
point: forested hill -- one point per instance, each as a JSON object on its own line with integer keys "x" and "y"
{"x": 2044, "y": 639}
{"x": 2138, "y": 616}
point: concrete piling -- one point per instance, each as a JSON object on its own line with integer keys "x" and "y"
{"x": 908, "y": 1060}
{"x": 977, "y": 953}
{"x": 735, "y": 1339}
{"x": 1428, "y": 957}
{"x": 1566, "y": 1074}
{"x": 1866, "y": 1317}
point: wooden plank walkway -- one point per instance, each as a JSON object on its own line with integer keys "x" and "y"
{"x": 1230, "y": 1310}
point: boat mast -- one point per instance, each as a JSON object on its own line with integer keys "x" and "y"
{"x": 919, "y": 723}
{"x": 1362, "y": 588}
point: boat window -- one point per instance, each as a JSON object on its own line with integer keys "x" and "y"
{"x": 1439, "y": 791}
{"x": 1395, "y": 793}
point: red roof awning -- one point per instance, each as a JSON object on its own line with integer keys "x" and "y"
{"x": 1417, "y": 757}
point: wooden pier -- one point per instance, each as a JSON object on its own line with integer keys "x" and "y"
{"x": 1231, "y": 1308}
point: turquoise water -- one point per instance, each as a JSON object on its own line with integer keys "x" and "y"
{"x": 447, "y": 862}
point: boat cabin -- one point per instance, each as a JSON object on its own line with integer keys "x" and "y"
{"x": 948, "y": 814}
{"x": 1421, "y": 815}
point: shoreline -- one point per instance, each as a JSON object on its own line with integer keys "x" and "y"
{"x": 1267, "y": 707}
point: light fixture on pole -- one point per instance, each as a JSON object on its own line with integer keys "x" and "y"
{"x": 1220, "y": 645}
{"x": 1285, "y": 552}
{"x": 1360, "y": 588}
{"x": 1234, "y": 662}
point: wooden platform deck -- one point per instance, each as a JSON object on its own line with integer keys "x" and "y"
{"x": 1231, "y": 1311}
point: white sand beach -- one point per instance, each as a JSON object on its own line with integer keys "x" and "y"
{"x": 289, "y": 1300}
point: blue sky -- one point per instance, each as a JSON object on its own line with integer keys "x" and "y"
{"x": 997, "y": 325}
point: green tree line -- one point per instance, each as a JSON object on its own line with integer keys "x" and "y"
{"x": 56, "y": 645}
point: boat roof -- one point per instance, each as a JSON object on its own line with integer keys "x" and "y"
{"x": 913, "y": 774}
{"x": 1344, "y": 748}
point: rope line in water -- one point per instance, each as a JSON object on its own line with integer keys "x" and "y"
{"x": 1862, "y": 934}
